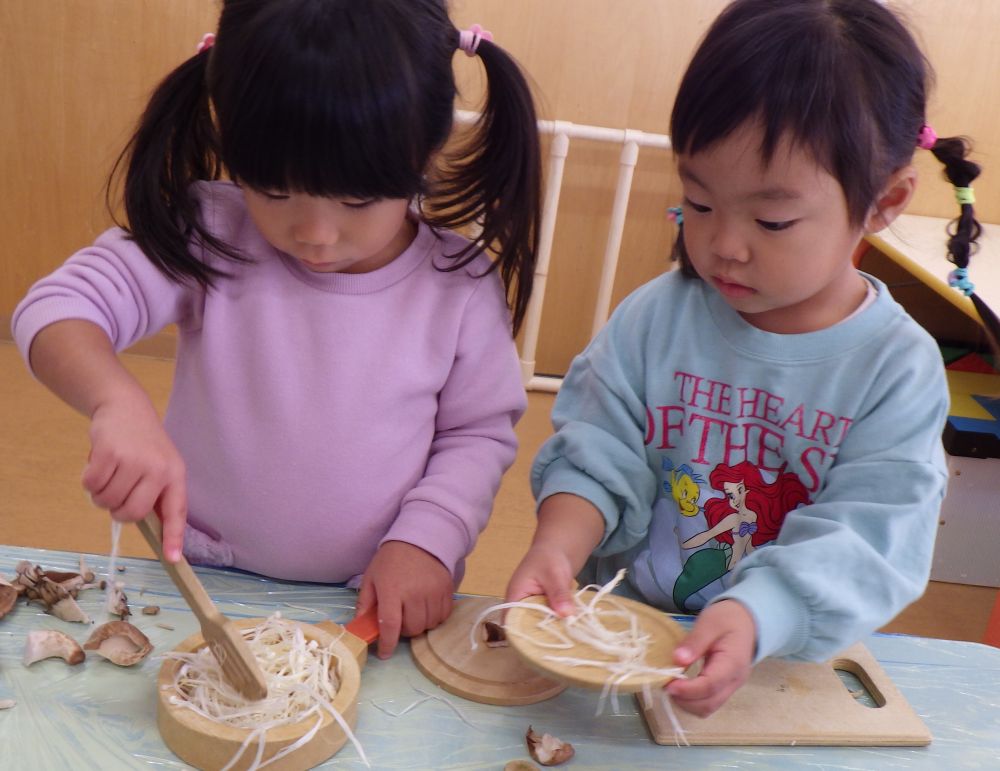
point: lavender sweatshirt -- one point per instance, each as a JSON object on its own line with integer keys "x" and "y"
{"x": 319, "y": 415}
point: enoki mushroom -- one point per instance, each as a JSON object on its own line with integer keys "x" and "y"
{"x": 301, "y": 680}
{"x": 426, "y": 698}
{"x": 113, "y": 590}
{"x": 621, "y": 653}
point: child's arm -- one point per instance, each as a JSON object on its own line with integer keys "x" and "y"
{"x": 569, "y": 528}
{"x": 474, "y": 443}
{"x": 133, "y": 467}
{"x": 850, "y": 560}
{"x": 103, "y": 299}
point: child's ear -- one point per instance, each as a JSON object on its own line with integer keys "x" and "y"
{"x": 893, "y": 199}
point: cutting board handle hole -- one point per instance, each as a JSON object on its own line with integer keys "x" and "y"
{"x": 858, "y": 683}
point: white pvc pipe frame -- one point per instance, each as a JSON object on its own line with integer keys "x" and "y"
{"x": 562, "y": 131}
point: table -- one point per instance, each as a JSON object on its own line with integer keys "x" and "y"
{"x": 99, "y": 716}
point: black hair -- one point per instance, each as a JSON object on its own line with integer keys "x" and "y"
{"x": 964, "y": 231}
{"x": 843, "y": 79}
{"x": 350, "y": 98}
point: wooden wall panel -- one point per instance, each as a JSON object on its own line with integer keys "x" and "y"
{"x": 604, "y": 63}
{"x": 618, "y": 64}
{"x": 74, "y": 75}
{"x": 960, "y": 40}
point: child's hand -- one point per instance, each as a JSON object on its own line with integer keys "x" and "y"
{"x": 545, "y": 570}
{"x": 134, "y": 468}
{"x": 725, "y": 635}
{"x": 413, "y": 591}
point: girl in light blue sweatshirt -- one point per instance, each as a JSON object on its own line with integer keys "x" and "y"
{"x": 756, "y": 437}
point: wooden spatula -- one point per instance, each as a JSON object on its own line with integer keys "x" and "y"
{"x": 225, "y": 641}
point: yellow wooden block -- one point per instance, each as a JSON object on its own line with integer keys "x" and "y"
{"x": 964, "y": 385}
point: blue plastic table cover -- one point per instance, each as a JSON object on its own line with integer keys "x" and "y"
{"x": 97, "y": 715}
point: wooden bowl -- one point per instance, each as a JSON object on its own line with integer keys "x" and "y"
{"x": 208, "y": 745}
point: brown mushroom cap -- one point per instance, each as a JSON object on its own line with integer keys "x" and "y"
{"x": 8, "y": 596}
{"x": 55, "y": 589}
{"x": 59, "y": 576}
{"x": 546, "y": 749}
{"x": 120, "y": 643}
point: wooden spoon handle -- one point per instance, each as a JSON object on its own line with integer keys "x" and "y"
{"x": 181, "y": 574}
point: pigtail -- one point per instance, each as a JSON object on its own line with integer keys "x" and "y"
{"x": 964, "y": 231}
{"x": 494, "y": 181}
{"x": 174, "y": 145}
{"x": 679, "y": 253}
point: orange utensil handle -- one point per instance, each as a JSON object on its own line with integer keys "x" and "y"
{"x": 365, "y": 626}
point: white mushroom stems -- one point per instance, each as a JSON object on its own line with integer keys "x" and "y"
{"x": 302, "y": 684}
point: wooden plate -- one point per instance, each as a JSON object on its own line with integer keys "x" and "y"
{"x": 209, "y": 745}
{"x": 529, "y": 641}
{"x": 485, "y": 675}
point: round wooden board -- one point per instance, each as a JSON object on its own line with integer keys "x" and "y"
{"x": 485, "y": 675}
{"x": 208, "y": 745}
{"x": 525, "y": 636}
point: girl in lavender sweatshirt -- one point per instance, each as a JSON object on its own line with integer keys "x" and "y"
{"x": 346, "y": 383}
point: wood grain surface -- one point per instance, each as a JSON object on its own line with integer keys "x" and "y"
{"x": 485, "y": 675}
{"x": 533, "y": 643}
{"x": 798, "y": 703}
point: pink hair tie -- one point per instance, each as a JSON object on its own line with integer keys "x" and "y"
{"x": 468, "y": 39}
{"x": 926, "y": 138}
{"x": 207, "y": 41}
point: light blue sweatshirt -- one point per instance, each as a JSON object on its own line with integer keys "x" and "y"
{"x": 799, "y": 474}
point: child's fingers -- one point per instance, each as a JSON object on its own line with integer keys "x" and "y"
{"x": 705, "y": 693}
{"x": 117, "y": 490}
{"x": 366, "y": 597}
{"x": 445, "y": 610}
{"x": 560, "y": 596}
{"x": 96, "y": 474}
{"x": 172, "y": 506}
{"x": 390, "y": 623}
{"x": 139, "y": 502}
{"x": 537, "y": 575}
{"x": 519, "y": 588}
{"x": 438, "y": 610}
{"x": 694, "y": 646}
{"x": 723, "y": 636}
{"x": 560, "y": 600}
{"x": 416, "y": 618}
{"x": 702, "y": 706}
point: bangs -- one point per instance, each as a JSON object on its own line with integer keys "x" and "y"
{"x": 794, "y": 70}
{"x": 298, "y": 111}
{"x": 785, "y": 76}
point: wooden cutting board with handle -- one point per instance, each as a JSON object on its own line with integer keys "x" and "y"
{"x": 797, "y": 703}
